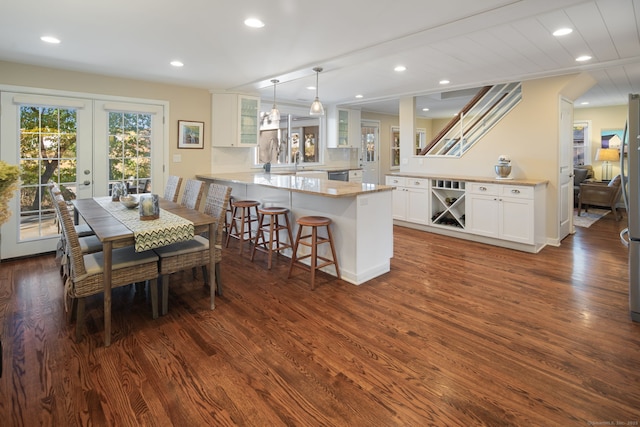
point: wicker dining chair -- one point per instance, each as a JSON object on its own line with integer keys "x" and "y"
{"x": 89, "y": 243}
{"x": 172, "y": 188}
{"x": 195, "y": 252}
{"x": 86, "y": 272}
{"x": 192, "y": 194}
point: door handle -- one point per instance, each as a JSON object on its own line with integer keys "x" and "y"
{"x": 87, "y": 182}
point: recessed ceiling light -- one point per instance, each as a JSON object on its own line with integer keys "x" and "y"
{"x": 584, "y": 103}
{"x": 311, "y": 87}
{"x": 50, "y": 39}
{"x": 253, "y": 23}
{"x": 444, "y": 82}
{"x": 359, "y": 96}
{"x": 425, "y": 109}
{"x": 177, "y": 63}
{"x": 400, "y": 68}
{"x": 562, "y": 32}
{"x": 583, "y": 58}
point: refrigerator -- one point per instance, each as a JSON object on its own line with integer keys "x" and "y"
{"x": 631, "y": 193}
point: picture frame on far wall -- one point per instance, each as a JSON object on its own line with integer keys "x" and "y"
{"x": 190, "y": 134}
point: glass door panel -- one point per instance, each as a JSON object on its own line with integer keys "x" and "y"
{"x": 369, "y": 158}
{"x": 46, "y": 131}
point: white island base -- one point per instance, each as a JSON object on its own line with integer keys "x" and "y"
{"x": 362, "y": 221}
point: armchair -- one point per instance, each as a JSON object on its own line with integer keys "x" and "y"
{"x": 601, "y": 194}
{"x": 581, "y": 174}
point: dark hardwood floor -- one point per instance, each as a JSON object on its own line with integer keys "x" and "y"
{"x": 457, "y": 334}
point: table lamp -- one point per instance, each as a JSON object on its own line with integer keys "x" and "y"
{"x": 606, "y": 156}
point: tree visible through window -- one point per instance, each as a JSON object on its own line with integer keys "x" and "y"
{"x": 47, "y": 154}
{"x": 130, "y": 150}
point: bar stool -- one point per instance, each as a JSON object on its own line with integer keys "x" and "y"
{"x": 314, "y": 222}
{"x": 228, "y": 217}
{"x": 242, "y": 213}
{"x": 273, "y": 228}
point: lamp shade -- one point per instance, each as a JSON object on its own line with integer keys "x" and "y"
{"x": 607, "y": 154}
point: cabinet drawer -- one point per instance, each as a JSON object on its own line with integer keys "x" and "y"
{"x": 483, "y": 188}
{"x": 397, "y": 181}
{"x": 516, "y": 191}
{"x": 417, "y": 183}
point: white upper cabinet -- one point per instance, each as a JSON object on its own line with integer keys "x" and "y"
{"x": 235, "y": 120}
{"x": 343, "y": 127}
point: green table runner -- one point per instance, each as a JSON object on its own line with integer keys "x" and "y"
{"x": 169, "y": 228}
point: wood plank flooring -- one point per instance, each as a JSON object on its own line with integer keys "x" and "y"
{"x": 457, "y": 334}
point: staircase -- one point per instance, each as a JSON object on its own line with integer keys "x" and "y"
{"x": 475, "y": 120}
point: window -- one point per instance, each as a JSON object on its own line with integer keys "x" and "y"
{"x": 130, "y": 150}
{"x": 48, "y": 136}
{"x": 581, "y": 143}
{"x": 295, "y": 138}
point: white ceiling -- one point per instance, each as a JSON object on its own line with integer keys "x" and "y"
{"x": 358, "y": 43}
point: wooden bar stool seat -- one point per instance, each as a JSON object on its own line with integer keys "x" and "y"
{"x": 273, "y": 244}
{"x": 312, "y": 240}
{"x": 242, "y": 220}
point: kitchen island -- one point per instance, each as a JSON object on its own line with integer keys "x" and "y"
{"x": 361, "y": 214}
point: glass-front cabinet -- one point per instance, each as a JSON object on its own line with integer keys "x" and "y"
{"x": 395, "y": 147}
{"x": 421, "y": 135}
{"x": 235, "y": 120}
{"x": 343, "y": 127}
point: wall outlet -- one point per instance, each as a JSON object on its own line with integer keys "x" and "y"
{"x": 177, "y": 158}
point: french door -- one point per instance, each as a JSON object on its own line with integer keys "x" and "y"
{"x": 79, "y": 143}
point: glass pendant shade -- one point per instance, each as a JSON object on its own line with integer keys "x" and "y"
{"x": 274, "y": 115}
{"x": 316, "y": 107}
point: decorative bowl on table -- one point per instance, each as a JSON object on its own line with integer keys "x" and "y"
{"x": 129, "y": 201}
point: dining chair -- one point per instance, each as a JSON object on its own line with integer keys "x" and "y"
{"x": 195, "y": 252}
{"x": 172, "y": 188}
{"x": 86, "y": 271}
{"x": 192, "y": 194}
{"x": 89, "y": 243}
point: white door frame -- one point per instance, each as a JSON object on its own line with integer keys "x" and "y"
{"x": 565, "y": 169}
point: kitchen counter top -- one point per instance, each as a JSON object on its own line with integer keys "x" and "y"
{"x": 510, "y": 181}
{"x": 300, "y": 184}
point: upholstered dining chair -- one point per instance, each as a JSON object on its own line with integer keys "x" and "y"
{"x": 195, "y": 252}
{"x": 86, "y": 271}
{"x": 192, "y": 194}
{"x": 601, "y": 194}
{"x": 172, "y": 189}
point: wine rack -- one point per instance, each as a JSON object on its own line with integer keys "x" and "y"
{"x": 448, "y": 203}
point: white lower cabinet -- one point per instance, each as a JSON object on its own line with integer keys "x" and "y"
{"x": 501, "y": 211}
{"x": 355, "y": 175}
{"x": 509, "y": 215}
{"x": 410, "y": 199}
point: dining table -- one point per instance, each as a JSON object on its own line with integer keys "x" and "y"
{"x": 114, "y": 233}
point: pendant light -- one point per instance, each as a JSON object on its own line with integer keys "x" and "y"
{"x": 316, "y": 108}
{"x": 274, "y": 115}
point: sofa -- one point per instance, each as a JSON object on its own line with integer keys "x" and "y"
{"x": 583, "y": 173}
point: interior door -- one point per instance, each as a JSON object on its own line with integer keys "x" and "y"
{"x": 565, "y": 177}
{"x": 370, "y": 151}
{"x": 49, "y": 137}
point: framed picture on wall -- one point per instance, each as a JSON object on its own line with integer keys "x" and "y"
{"x": 190, "y": 134}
